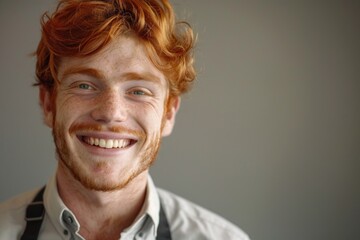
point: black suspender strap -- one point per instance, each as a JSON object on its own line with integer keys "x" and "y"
{"x": 163, "y": 231}
{"x": 35, "y": 216}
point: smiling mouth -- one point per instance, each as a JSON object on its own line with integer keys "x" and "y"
{"x": 108, "y": 143}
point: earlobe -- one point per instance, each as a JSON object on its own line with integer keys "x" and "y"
{"x": 170, "y": 115}
{"x": 46, "y": 104}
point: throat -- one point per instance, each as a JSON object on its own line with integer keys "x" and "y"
{"x": 102, "y": 213}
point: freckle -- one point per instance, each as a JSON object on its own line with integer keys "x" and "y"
{"x": 101, "y": 167}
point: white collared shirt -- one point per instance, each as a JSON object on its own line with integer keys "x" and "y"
{"x": 186, "y": 220}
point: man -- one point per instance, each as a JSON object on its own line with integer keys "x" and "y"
{"x": 110, "y": 76}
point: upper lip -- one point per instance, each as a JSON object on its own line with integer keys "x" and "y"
{"x": 107, "y": 135}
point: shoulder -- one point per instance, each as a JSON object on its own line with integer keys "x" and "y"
{"x": 12, "y": 214}
{"x": 16, "y": 205}
{"x": 195, "y": 222}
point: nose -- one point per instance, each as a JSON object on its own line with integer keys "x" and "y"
{"x": 109, "y": 107}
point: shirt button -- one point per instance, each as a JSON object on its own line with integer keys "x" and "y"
{"x": 70, "y": 220}
{"x": 66, "y": 232}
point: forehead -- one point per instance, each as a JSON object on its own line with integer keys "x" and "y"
{"x": 122, "y": 58}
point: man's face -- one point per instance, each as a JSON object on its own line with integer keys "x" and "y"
{"x": 109, "y": 114}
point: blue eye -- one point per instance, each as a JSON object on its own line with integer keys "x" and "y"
{"x": 138, "y": 92}
{"x": 84, "y": 86}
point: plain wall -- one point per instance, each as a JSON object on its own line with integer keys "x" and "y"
{"x": 270, "y": 135}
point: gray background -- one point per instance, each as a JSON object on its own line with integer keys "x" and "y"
{"x": 269, "y": 137}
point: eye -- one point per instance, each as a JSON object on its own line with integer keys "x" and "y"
{"x": 139, "y": 92}
{"x": 85, "y": 86}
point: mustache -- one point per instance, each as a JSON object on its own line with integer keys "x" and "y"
{"x": 100, "y": 128}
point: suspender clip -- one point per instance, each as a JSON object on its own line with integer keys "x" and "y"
{"x": 35, "y": 211}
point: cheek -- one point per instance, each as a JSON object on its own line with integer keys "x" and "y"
{"x": 151, "y": 117}
{"x": 67, "y": 110}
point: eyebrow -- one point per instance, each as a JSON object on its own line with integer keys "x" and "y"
{"x": 146, "y": 76}
{"x": 84, "y": 71}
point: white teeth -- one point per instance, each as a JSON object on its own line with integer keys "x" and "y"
{"x": 116, "y": 143}
{"x": 102, "y": 143}
{"x": 107, "y": 143}
{"x": 121, "y": 143}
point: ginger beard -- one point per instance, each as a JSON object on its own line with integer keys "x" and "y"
{"x": 70, "y": 161}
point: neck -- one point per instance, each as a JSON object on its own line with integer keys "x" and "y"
{"x": 109, "y": 212}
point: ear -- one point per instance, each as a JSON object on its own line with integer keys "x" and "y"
{"x": 46, "y": 104}
{"x": 169, "y": 117}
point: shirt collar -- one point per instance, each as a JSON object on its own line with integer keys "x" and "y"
{"x": 151, "y": 205}
{"x": 54, "y": 205}
{"x": 55, "y": 209}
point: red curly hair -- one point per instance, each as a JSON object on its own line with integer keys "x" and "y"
{"x": 80, "y": 28}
